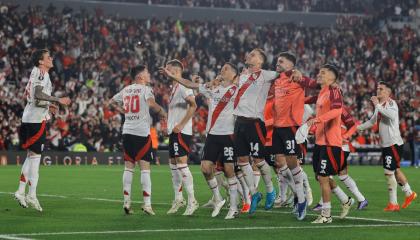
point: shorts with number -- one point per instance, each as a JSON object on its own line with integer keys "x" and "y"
{"x": 32, "y": 136}
{"x": 219, "y": 148}
{"x": 137, "y": 148}
{"x": 179, "y": 145}
{"x": 249, "y": 138}
{"x": 331, "y": 160}
{"x": 270, "y": 158}
{"x": 284, "y": 141}
{"x": 391, "y": 157}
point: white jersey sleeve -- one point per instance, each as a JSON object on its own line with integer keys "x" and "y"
{"x": 269, "y": 76}
{"x": 148, "y": 93}
{"x": 204, "y": 90}
{"x": 118, "y": 97}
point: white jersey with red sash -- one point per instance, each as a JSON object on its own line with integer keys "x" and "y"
{"x": 252, "y": 94}
{"x": 220, "y": 118}
{"x": 178, "y": 107}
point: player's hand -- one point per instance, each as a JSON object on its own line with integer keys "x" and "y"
{"x": 196, "y": 78}
{"x": 178, "y": 128}
{"x": 245, "y": 71}
{"x": 165, "y": 72}
{"x": 65, "y": 101}
{"x": 374, "y": 100}
{"x": 53, "y": 109}
{"x": 296, "y": 76}
{"x": 163, "y": 115}
{"x": 312, "y": 121}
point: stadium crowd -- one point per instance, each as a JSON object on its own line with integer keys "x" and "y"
{"x": 389, "y": 7}
{"x": 93, "y": 54}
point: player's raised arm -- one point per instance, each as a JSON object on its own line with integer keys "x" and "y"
{"x": 186, "y": 83}
{"x": 369, "y": 123}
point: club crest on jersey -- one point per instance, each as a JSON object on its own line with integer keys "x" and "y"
{"x": 231, "y": 91}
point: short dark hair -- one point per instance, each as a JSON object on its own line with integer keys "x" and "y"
{"x": 333, "y": 68}
{"x": 262, "y": 53}
{"x": 176, "y": 63}
{"x": 38, "y": 55}
{"x": 136, "y": 70}
{"x": 235, "y": 69}
{"x": 289, "y": 56}
{"x": 386, "y": 84}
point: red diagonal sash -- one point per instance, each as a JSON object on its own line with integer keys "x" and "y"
{"x": 245, "y": 86}
{"x": 221, "y": 105}
{"x": 173, "y": 93}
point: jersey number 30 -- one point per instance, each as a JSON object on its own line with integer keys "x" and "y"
{"x": 131, "y": 104}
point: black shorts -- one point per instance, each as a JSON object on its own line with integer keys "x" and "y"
{"x": 32, "y": 136}
{"x": 303, "y": 150}
{"x": 391, "y": 157}
{"x": 219, "y": 148}
{"x": 315, "y": 158}
{"x": 249, "y": 138}
{"x": 137, "y": 148}
{"x": 346, "y": 155}
{"x": 270, "y": 158}
{"x": 331, "y": 160}
{"x": 284, "y": 141}
{"x": 179, "y": 145}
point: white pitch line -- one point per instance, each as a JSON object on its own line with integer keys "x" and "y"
{"x": 274, "y": 212}
{"x": 41, "y": 195}
{"x": 352, "y": 218}
{"x": 325, "y": 226}
{"x": 14, "y": 238}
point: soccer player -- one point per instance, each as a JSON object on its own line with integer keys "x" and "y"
{"x": 289, "y": 100}
{"x": 348, "y": 127}
{"x": 249, "y": 129}
{"x": 386, "y": 115}
{"x": 219, "y": 140}
{"x": 32, "y": 130}
{"x": 137, "y": 98}
{"x": 328, "y": 135}
{"x": 182, "y": 106}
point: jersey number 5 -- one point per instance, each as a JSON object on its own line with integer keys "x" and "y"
{"x": 131, "y": 104}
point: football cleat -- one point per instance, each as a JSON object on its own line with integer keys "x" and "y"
{"x": 322, "y": 220}
{"x": 127, "y": 207}
{"x": 176, "y": 204}
{"x": 34, "y": 203}
{"x": 392, "y": 207}
{"x": 217, "y": 207}
{"x": 148, "y": 210}
{"x": 191, "y": 208}
{"x": 409, "y": 199}
{"x": 345, "y": 207}
{"x": 256, "y": 198}
{"x": 363, "y": 204}
{"x": 232, "y": 214}
{"x": 20, "y": 198}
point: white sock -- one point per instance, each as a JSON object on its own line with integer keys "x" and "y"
{"x": 298, "y": 178}
{"x": 266, "y": 175}
{"x": 176, "y": 181}
{"x": 248, "y": 176}
{"x": 321, "y": 201}
{"x": 240, "y": 190}
{"x": 340, "y": 195}
{"x": 283, "y": 187}
{"x": 24, "y": 176}
{"x": 392, "y": 188}
{"x": 245, "y": 189}
{"x": 187, "y": 180}
{"x": 221, "y": 181}
{"x": 33, "y": 174}
{"x": 326, "y": 209}
{"x": 127, "y": 180}
{"x": 257, "y": 177}
{"x": 215, "y": 189}
{"x": 287, "y": 174}
{"x": 306, "y": 184}
{"x": 351, "y": 185}
{"x": 146, "y": 185}
{"x": 406, "y": 189}
{"x": 233, "y": 193}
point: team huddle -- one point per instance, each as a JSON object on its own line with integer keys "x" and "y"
{"x": 258, "y": 120}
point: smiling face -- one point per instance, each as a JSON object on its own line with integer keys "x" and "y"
{"x": 283, "y": 65}
{"x": 325, "y": 77}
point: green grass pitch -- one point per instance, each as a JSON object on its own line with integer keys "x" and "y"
{"x": 85, "y": 202}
